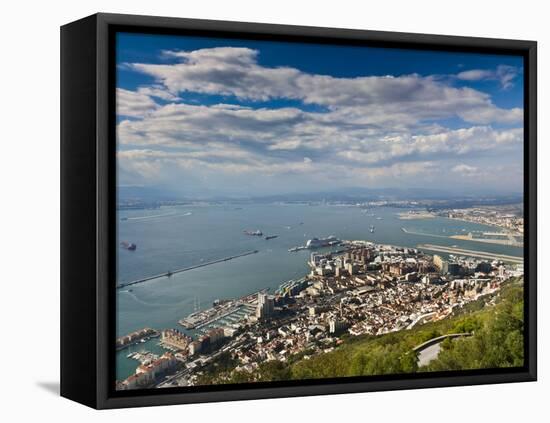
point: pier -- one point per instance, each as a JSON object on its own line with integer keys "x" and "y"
{"x": 423, "y": 234}
{"x": 185, "y": 269}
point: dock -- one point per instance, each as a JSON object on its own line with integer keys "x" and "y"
{"x": 185, "y": 269}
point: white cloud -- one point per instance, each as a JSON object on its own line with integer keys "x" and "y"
{"x": 235, "y": 139}
{"x": 147, "y": 162}
{"x": 368, "y": 130}
{"x": 492, "y": 114}
{"x": 224, "y": 71}
{"x": 465, "y": 170}
{"x": 158, "y": 92}
{"x": 475, "y": 75}
{"x": 505, "y": 75}
{"x": 132, "y": 103}
{"x": 441, "y": 146}
{"x": 235, "y": 72}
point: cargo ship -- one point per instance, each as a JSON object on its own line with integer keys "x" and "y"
{"x": 128, "y": 245}
{"x": 257, "y": 232}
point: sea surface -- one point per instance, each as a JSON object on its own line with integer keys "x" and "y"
{"x": 176, "y": 237}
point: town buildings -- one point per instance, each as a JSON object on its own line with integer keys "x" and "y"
{"x": 363, "y": 288}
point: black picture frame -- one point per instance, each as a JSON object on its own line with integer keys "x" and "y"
{"x": 88, "y": 209}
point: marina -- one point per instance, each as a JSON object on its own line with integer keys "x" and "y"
{"x": 229, "y": 312}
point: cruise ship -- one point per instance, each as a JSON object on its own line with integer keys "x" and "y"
{"x": 322, "y": 242}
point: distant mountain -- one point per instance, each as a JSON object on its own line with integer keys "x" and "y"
{"x": 146, "y": 194}
{"x": 362, "y": 194}
{"x": 350, "y": 194}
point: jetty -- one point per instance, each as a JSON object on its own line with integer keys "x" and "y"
{"x": 184, "y": 269}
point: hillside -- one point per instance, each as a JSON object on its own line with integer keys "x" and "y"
{"x": 497, "y": 341}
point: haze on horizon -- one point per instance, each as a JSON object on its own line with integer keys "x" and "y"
{"x": 205, "y": 117}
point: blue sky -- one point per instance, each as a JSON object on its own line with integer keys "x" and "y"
{"x": 208, "y": 116}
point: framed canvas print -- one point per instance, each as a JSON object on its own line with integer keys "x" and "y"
{"x": 255, "y": 211}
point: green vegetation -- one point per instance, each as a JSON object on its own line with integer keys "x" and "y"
{"x": 497, "y": 341}
{"x": 223, "y": 366}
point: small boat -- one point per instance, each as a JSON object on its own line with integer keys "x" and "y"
{"x": 128, "y": 245}
{"x": 294, "y": 249}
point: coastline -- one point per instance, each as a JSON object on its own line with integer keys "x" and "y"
{"x": 271, "y": 266}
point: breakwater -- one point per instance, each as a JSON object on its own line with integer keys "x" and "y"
{"x": 184, "y": 269}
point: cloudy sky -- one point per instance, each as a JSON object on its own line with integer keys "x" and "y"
{"x": 208, "y": 117}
